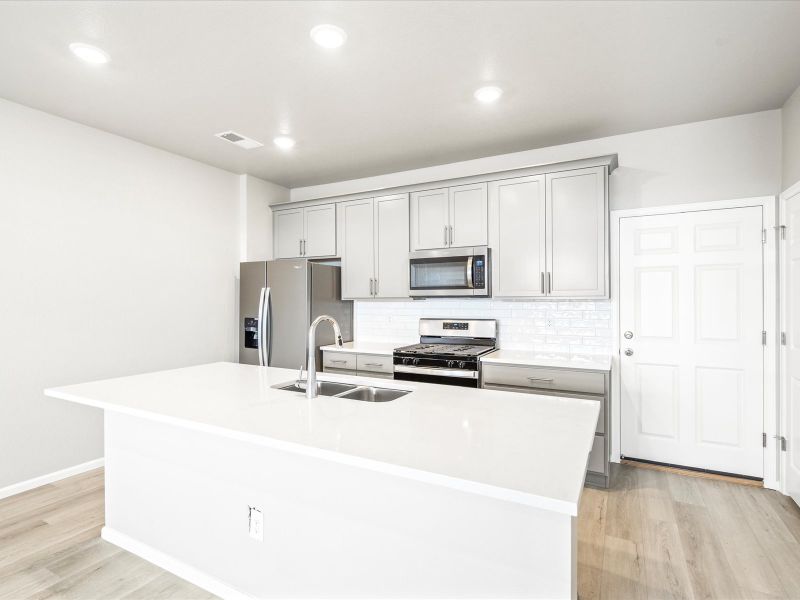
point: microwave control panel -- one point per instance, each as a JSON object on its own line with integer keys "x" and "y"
{"x": 479, "y": 274}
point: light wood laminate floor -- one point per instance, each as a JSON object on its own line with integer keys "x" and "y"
{"x": 653, "y": 535}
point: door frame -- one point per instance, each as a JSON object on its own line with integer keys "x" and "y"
{"x": 783, "y": 374}
{"x": 772, "y": 412}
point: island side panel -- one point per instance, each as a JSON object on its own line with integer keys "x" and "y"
{"x": 330, "y": 530}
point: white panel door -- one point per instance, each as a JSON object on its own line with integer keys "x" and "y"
{"x": 429, "y": 219}
{"x": 691, "y": 317}
{"x": 517, "y": 237}
{"x": 577, "y": 218}
{"x": 357, "y": 248}
{"x": 468, "y": 213}
{"x": 791, "y": 303}
{"x": 391, "y": 246}
{"x": 288, "y": 232}
{"x": 320, "y": 230}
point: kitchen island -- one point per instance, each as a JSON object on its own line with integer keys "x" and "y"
{"x": 443, "y": 492}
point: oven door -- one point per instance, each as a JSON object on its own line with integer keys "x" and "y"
{"x": 449, "y": 272}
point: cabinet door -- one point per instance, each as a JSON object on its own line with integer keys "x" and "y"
{"x": 357, "y": 248}
{"x": 391, "y": 246}
{"x": 288, "y": 232}
{"x": 577, "y": 247}
{"x": 320, "y": 230}
{"x": 517, "y": 215}
{"x": 429, "y": 219}
{"x": 468, "y": 211}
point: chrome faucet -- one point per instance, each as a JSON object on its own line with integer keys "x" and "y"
{"x": 311, "y": 368}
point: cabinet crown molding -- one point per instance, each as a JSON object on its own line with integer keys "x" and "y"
{"x": 610, "y": 161}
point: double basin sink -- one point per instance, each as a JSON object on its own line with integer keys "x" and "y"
{"x": 366, "y": 393}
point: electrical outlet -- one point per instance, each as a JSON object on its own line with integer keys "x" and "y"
{"x": 256, "y": 524}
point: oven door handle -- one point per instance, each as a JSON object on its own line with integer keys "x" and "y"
{"x": 470, "y": 284}
{"x": 437, "y": 371}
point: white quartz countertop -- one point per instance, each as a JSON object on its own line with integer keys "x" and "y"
{"x": 522, "y": 448}
{"x": 560, "y": 361}
{"x": 383, "y": 348}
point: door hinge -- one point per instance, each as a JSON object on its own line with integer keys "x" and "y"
{"x": 783, "y": 338}
{"x": 764, "y": 440}
{"x": 782, "y": 231}
{"x": 763, "y": 236}
{"x": 763, "y": 338}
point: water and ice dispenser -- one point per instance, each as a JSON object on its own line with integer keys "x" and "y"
{"x": 250, "y": 332}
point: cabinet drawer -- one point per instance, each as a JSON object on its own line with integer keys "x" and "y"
{"x": 597, "y": 457}
{"x": 375, "y": 363}
{"x": 339, "y": 361}
{"x": 544, "y": 379}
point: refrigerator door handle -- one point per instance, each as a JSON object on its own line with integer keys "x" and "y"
{"x": 268, "y": 328}
{"x": 261, "y": 318}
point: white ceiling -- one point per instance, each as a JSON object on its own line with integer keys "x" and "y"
{"x": 398, "y": 95}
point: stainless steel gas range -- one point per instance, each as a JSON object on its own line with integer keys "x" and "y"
{"x": 449, "y": 351}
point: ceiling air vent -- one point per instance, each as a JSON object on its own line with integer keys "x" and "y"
{"x": 238, "y": 139}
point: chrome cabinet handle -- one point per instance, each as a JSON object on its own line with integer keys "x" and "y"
{"x": 549, "y": 283}
{"x": 541, "y": 281}
{"x": 371, "y": 293}
{"x": 373, "y": 365}
{"x": 451, "y": 235}
{"x": 542, "y": 379}
{"x": 300, "y": 251}
{"x": 445, "y": 235}
{"x": 376, "y": 287}
{"x": 339, "y": 362}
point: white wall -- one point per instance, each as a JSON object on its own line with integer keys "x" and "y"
{"x": 116, "y": 258}
{"x": 255, "y": 196}
{"x": 791, "y": 140}
{"x": 735, "y": 157}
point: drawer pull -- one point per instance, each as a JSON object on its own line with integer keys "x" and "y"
{"x": 373, "y": 365}
{"x": 541, "y": 379}
{"x": 340, "y": 362}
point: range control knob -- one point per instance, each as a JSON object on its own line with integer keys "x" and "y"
{"x": 451, "y": 364}
{"x": 415, "y": 361}
{"x": 461, "y": 364}
{"x": 406, "y": 361}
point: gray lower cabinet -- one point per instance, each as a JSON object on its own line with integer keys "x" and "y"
{"x": 354, "y": 363}
{"x": 573, "y": 383}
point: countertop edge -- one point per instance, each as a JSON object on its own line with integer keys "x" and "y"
{"x": 533, "y": 500}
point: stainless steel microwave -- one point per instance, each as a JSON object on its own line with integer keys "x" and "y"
{"x": 454, "y": 272}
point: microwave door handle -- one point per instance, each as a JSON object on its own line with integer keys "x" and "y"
{"x": 470, "y": 284}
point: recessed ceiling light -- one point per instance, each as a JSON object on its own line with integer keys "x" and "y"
{"x": 284, "y": 142}
{"x": 328, "y": 36}
{"x": 488, "y": 94}
{"x": 90, "y": 54}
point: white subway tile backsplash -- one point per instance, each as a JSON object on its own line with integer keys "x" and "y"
{"x": 576, "y": 327}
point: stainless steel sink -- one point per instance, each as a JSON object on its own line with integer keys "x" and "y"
{"x": 324, "y": 388}
{"x": 350, "y": 391}
{"x": 373, "y": 394}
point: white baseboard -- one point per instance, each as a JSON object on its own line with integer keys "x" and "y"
{"x": 173, "y": 565}
{"x": 24, "y": 486}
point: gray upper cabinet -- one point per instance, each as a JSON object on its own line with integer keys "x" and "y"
{"x": 288, "y": 233}
{"x": 305, "y": 232}
{"x": 373, "y": 238}
{"x": 577, "y": 233}
{"x": 518, "y": 233}
{"x": 449, "y": 217}
{"x": 549, "y": 235}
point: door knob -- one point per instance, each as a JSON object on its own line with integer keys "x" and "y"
{"x": 628, "y": 352}
{"x": 628, "y": 335}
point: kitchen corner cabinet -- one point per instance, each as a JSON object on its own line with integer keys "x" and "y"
{"x": 373, "y": 240}
{"x": 449, "y": 217}
{"x": 549, "y": 235}
{"x": 305, "y": 232}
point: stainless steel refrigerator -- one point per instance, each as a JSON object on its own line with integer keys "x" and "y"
{"x": 278, "y": 299}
